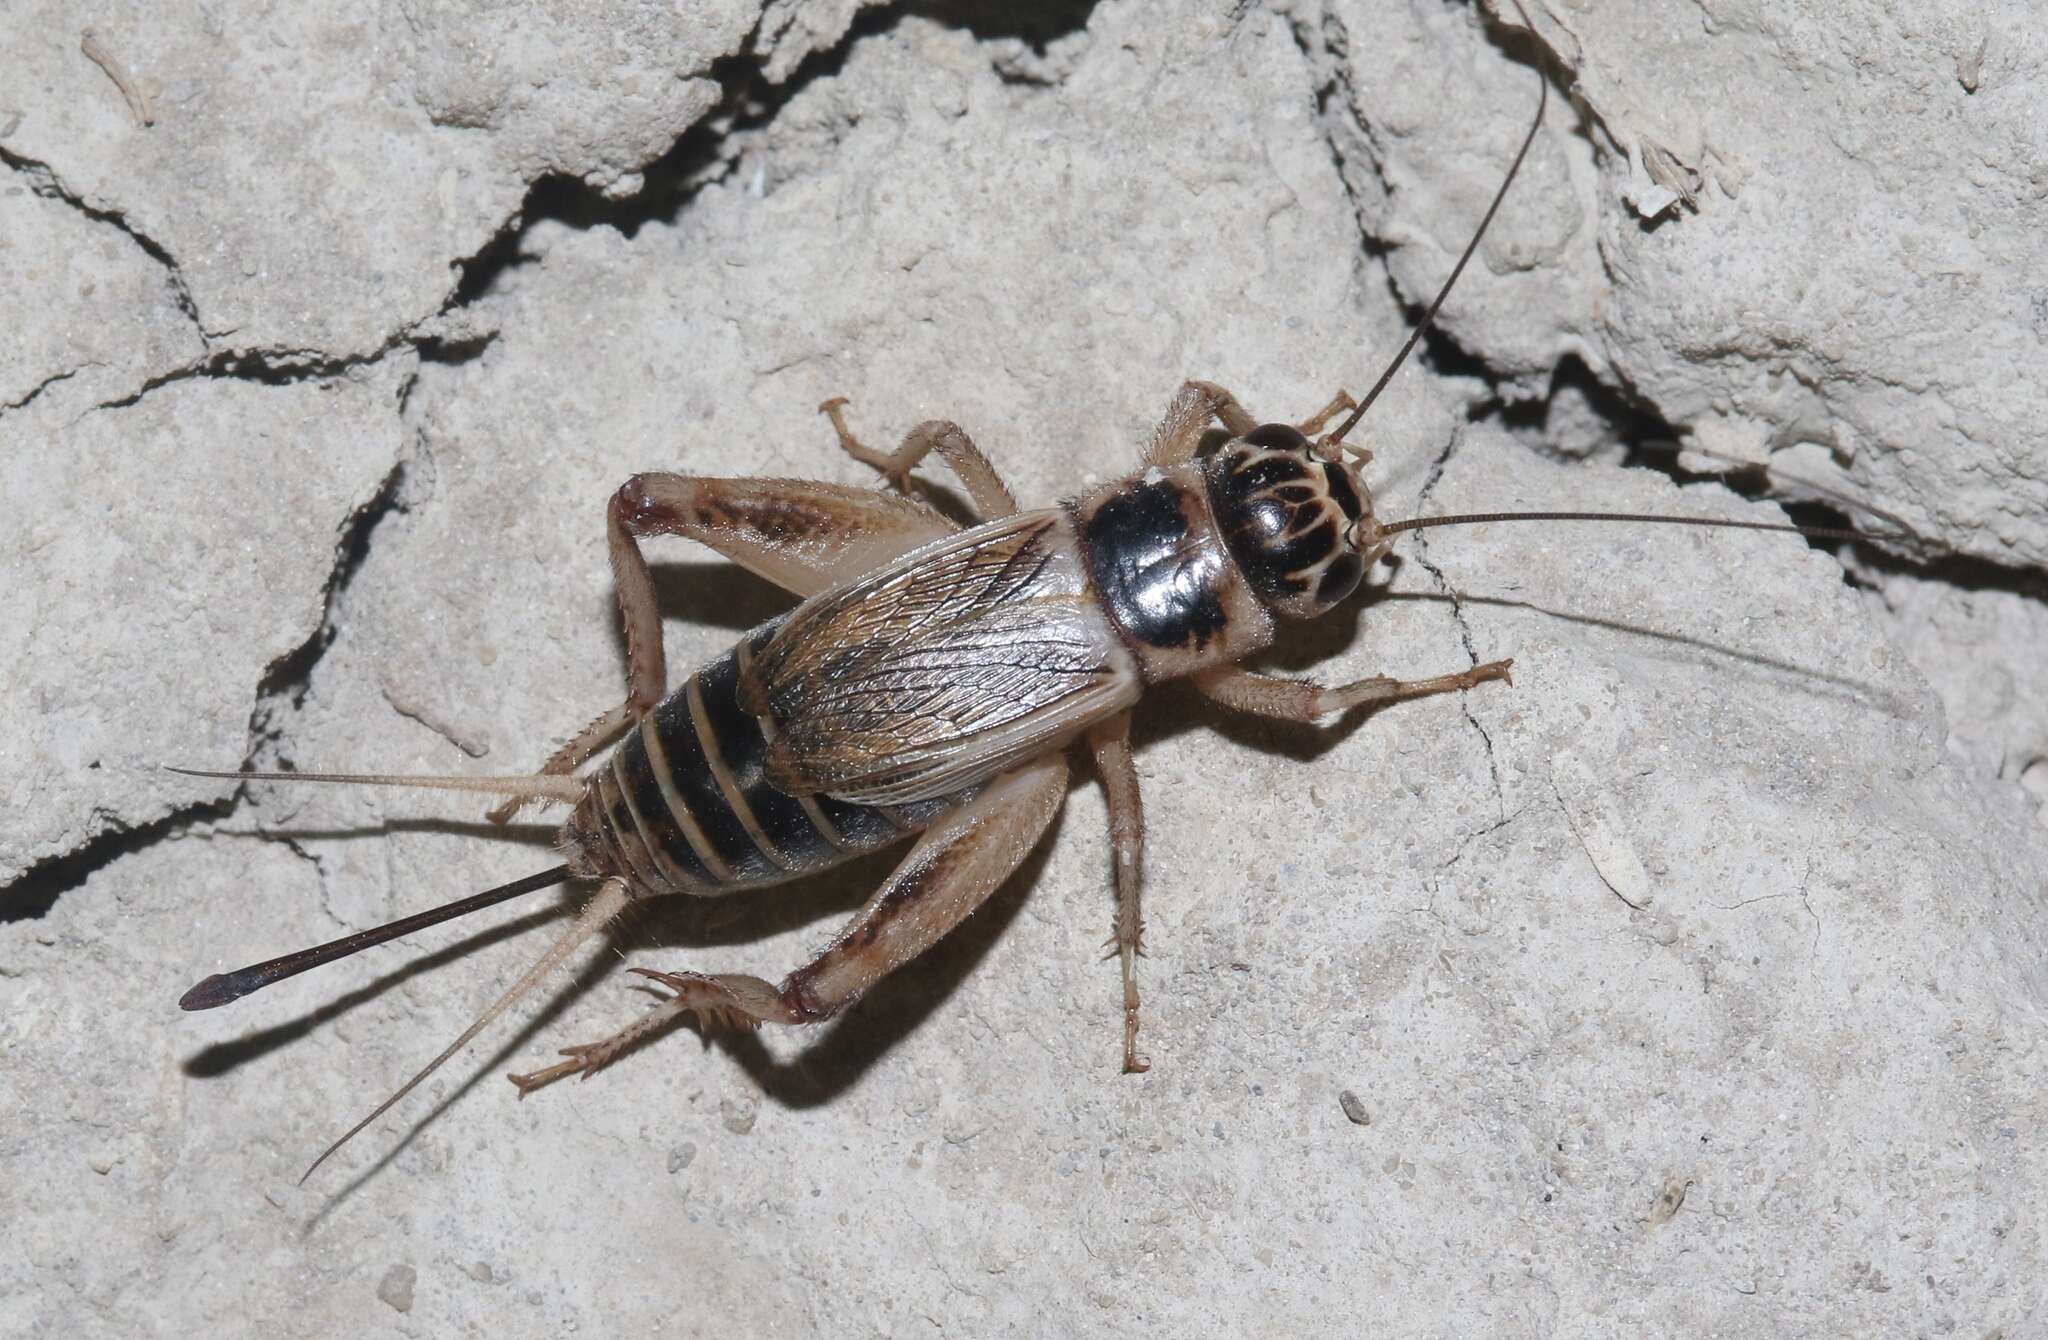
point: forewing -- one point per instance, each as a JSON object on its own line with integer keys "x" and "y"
{"x": 939, "y": 670}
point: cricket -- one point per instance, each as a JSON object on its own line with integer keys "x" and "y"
{"x": 931, "y": 685}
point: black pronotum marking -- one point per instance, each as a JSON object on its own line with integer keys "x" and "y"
{"x": 1340, "y": 489}
{"x": 1156, "y": 577}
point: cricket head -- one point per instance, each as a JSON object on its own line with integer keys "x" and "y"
{"x": 1297, "y": 516}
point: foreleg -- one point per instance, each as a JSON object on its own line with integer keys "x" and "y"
{"x": 1307, "y": 701}
{"x": 954, "y": 867}
{"x": 1340, "y": 403}
{"x": 1197, "y": 404}
{"x": 1188, "y": 415}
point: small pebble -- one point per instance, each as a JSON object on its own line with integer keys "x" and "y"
{"x": 396, "y": 1287}
{"x": 1354, "y": 1108}
{"x": 737, "y": 1116}
{"x": 682, "y": 1156}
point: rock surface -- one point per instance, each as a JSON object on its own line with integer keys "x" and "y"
{"x": 1692, "y": 983}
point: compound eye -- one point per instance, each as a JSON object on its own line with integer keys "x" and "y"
{"x": 1340, "y": 579}
{"x": 1341, "y": 490}
{"x": 1276, "y": 437}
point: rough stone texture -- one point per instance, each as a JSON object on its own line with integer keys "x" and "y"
{"x": 162, "y": 555}
{"x": 1982, "y": 649}
{"x": 1866, "y": 295}
{"x": 113, "y": 309}
{"x": 1789, "y": 1088}
{"x": 313, "y": 171}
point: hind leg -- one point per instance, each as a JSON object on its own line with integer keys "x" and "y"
{"x": 804, "y": 536}
{"x": 954, "y": 867}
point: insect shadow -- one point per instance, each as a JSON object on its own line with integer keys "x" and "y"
{"x": 220, "y": 1058}
{"x": 842, "y": 1052}
{"x": 1801, "y": 678}
{"x": 709, "y": 594}
{"x": 826, "y": 1067}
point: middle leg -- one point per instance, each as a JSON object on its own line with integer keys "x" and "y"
{"x": 1111, "y": 743}
{"x": 985, "y": 488}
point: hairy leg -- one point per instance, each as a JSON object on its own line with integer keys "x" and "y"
{"x": 1188, "y": 415}
{"x": 1305, "y": 700}
{"x": 985, "y": 488}
{"x": 956, "y": 864}
{"x": 1111, "y": 743}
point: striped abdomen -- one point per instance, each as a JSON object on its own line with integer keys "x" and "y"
{"x": 683, "y": 805}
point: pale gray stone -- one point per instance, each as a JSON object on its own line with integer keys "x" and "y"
{"x": 1789, "y": 1087}
{"x": 162, "y": 556}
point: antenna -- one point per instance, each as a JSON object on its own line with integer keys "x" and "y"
{"x": 1542, "y": 102}
{"x": 1903, "y": 536}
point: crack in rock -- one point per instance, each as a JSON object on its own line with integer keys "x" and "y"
{"x": 1457, "y": 599}
{"x": 284, "y": 684}
{"x": 36, "y": 890}
{"x": 45, "y": 182}
{"x": 45, "y": 384}
{"x": 1465, "y": 843}
{"x": 312, "y": 858}
{"x": 265, "y": 367}
{"x": 33, "y": 893}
